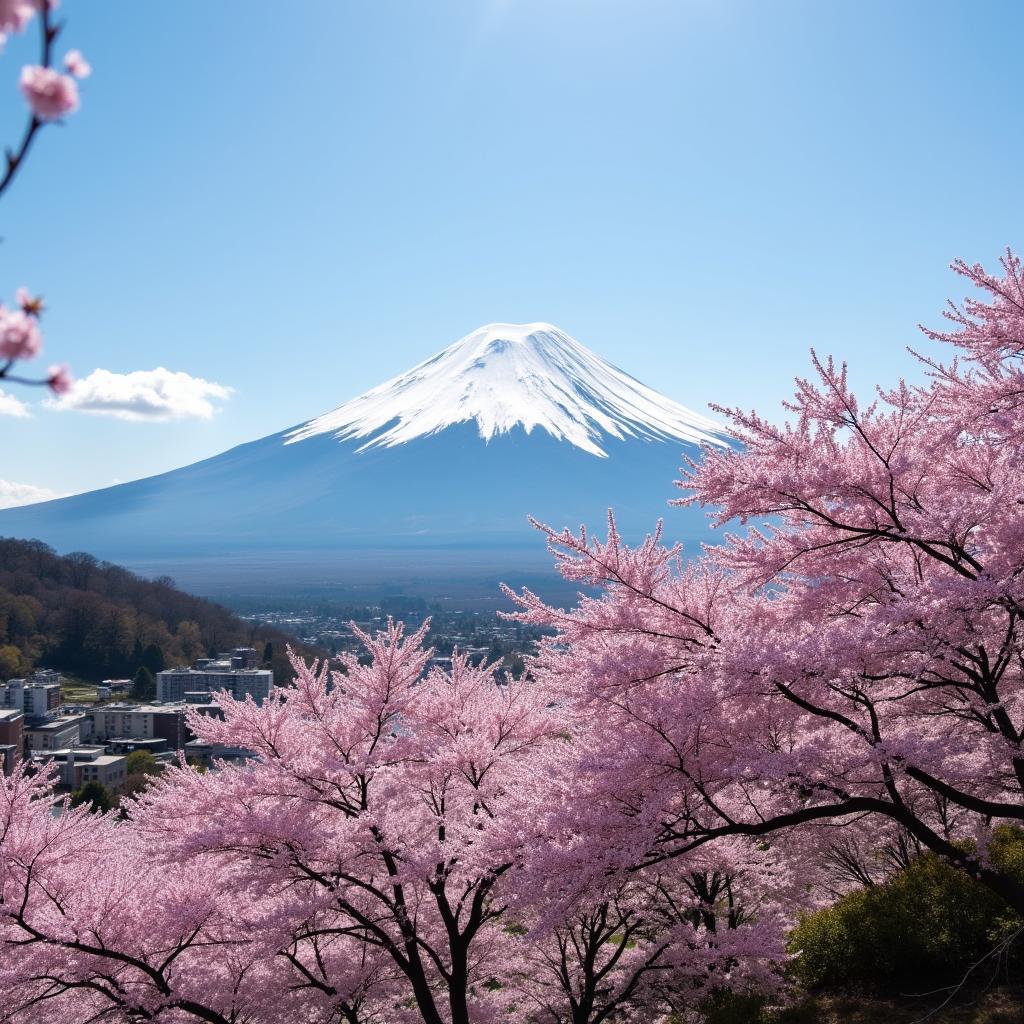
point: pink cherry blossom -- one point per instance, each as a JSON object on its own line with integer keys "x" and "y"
{"x": 77, "y": 65}
{"x": 59, "y": 379}
{"x": 853, "y": 655}
{"x": 20, "y": 337}
{"x": 393, "y": 851}
{"x": 16, "y": 14}
{"x": 50, "y": 94}
{"x": 130, "y": 937}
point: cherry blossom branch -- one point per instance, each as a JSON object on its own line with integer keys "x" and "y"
{"x": 50, "y": 95}
{"x": 20, "y": 338}
{"x": 15, "y": 159}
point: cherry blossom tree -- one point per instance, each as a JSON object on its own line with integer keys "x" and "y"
{"x": 853, "y": 658}
{"x": 389, "y": 851}
{"x": 394, "y": 802}
{"x": 653, "y": 945}
{"x": 91, "y": 928}
{"x": 347, "y": 873}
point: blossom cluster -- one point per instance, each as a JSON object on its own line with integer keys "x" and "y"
{"x": 21, "y": 338}
{"x": 49, "y": 93}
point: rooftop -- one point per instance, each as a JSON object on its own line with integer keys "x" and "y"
{"x": 58, "y": 723}
{"x": 86, "y": 755}
{"x": 154, "y": 707}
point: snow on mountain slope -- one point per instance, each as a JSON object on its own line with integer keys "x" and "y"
{"x": 507, "y": 375}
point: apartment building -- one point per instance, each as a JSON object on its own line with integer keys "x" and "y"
{"x": 80, "y": 764}
{"x": 34, "y": 699}
{"x": 173, "y": 684}
{"x": 56, "y": 734}
{"x": 124, "y": 721}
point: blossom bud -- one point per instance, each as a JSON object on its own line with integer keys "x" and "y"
{"x": 77, "y": 65}
{"x": 59, "y": 379}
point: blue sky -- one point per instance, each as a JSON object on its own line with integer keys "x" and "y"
{"x": 299, "y": 200}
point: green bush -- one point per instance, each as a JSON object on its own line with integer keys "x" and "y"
{"x": 141, "y": 762}
{"x": 95, "y": 795}
{"x": 925, "y": 925}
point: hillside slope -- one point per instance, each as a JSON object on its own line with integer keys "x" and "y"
{"x": 98, "y": 620}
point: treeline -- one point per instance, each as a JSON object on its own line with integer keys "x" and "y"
{"x": 97, "y": 620}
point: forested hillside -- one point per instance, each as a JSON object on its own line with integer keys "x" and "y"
{"x": 98, "y": 620}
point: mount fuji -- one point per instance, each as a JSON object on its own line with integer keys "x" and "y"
{"x": 429, "y": 476}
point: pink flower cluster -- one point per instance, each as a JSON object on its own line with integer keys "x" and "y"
{"x": 21, "y": 338}
{"x": 50, "y": 94}
{"x": 59, "y": 379}
{"x": 77, "y": 65}
{"x": 16, "y": 14}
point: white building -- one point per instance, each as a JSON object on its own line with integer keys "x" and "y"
{"x": 57, "y": 734}
{"x": 78, "y": 765}
{"x": 34, "y": 699}
{"x": 140, "y": 721}
{"x": 173, "y": 684}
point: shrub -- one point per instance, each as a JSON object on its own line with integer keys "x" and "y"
{"x": 142, "y": 762}
{"x": 96, "y": 795}
{"x": 927, "y": 922}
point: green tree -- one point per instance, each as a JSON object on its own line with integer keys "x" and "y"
{"x": 190, "y": 636}
{"x": 268, "y": 652}
{"x": 153, "y": 658}
{"x": 141, "y": 762}
{"x": 133, "y": 785}
{"x": 96, "y": 795}
{"x": 143, "y": 685}
{"x": 11, "y": 662}
{"x": 23, "y": 615}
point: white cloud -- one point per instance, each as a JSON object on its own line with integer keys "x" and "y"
{"x": 12, "y": 494}
{"x": 11, "y": 406}
{"x": 158, "y": 394}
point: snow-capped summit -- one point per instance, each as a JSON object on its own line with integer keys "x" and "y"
{"x": 508, "y": 375}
